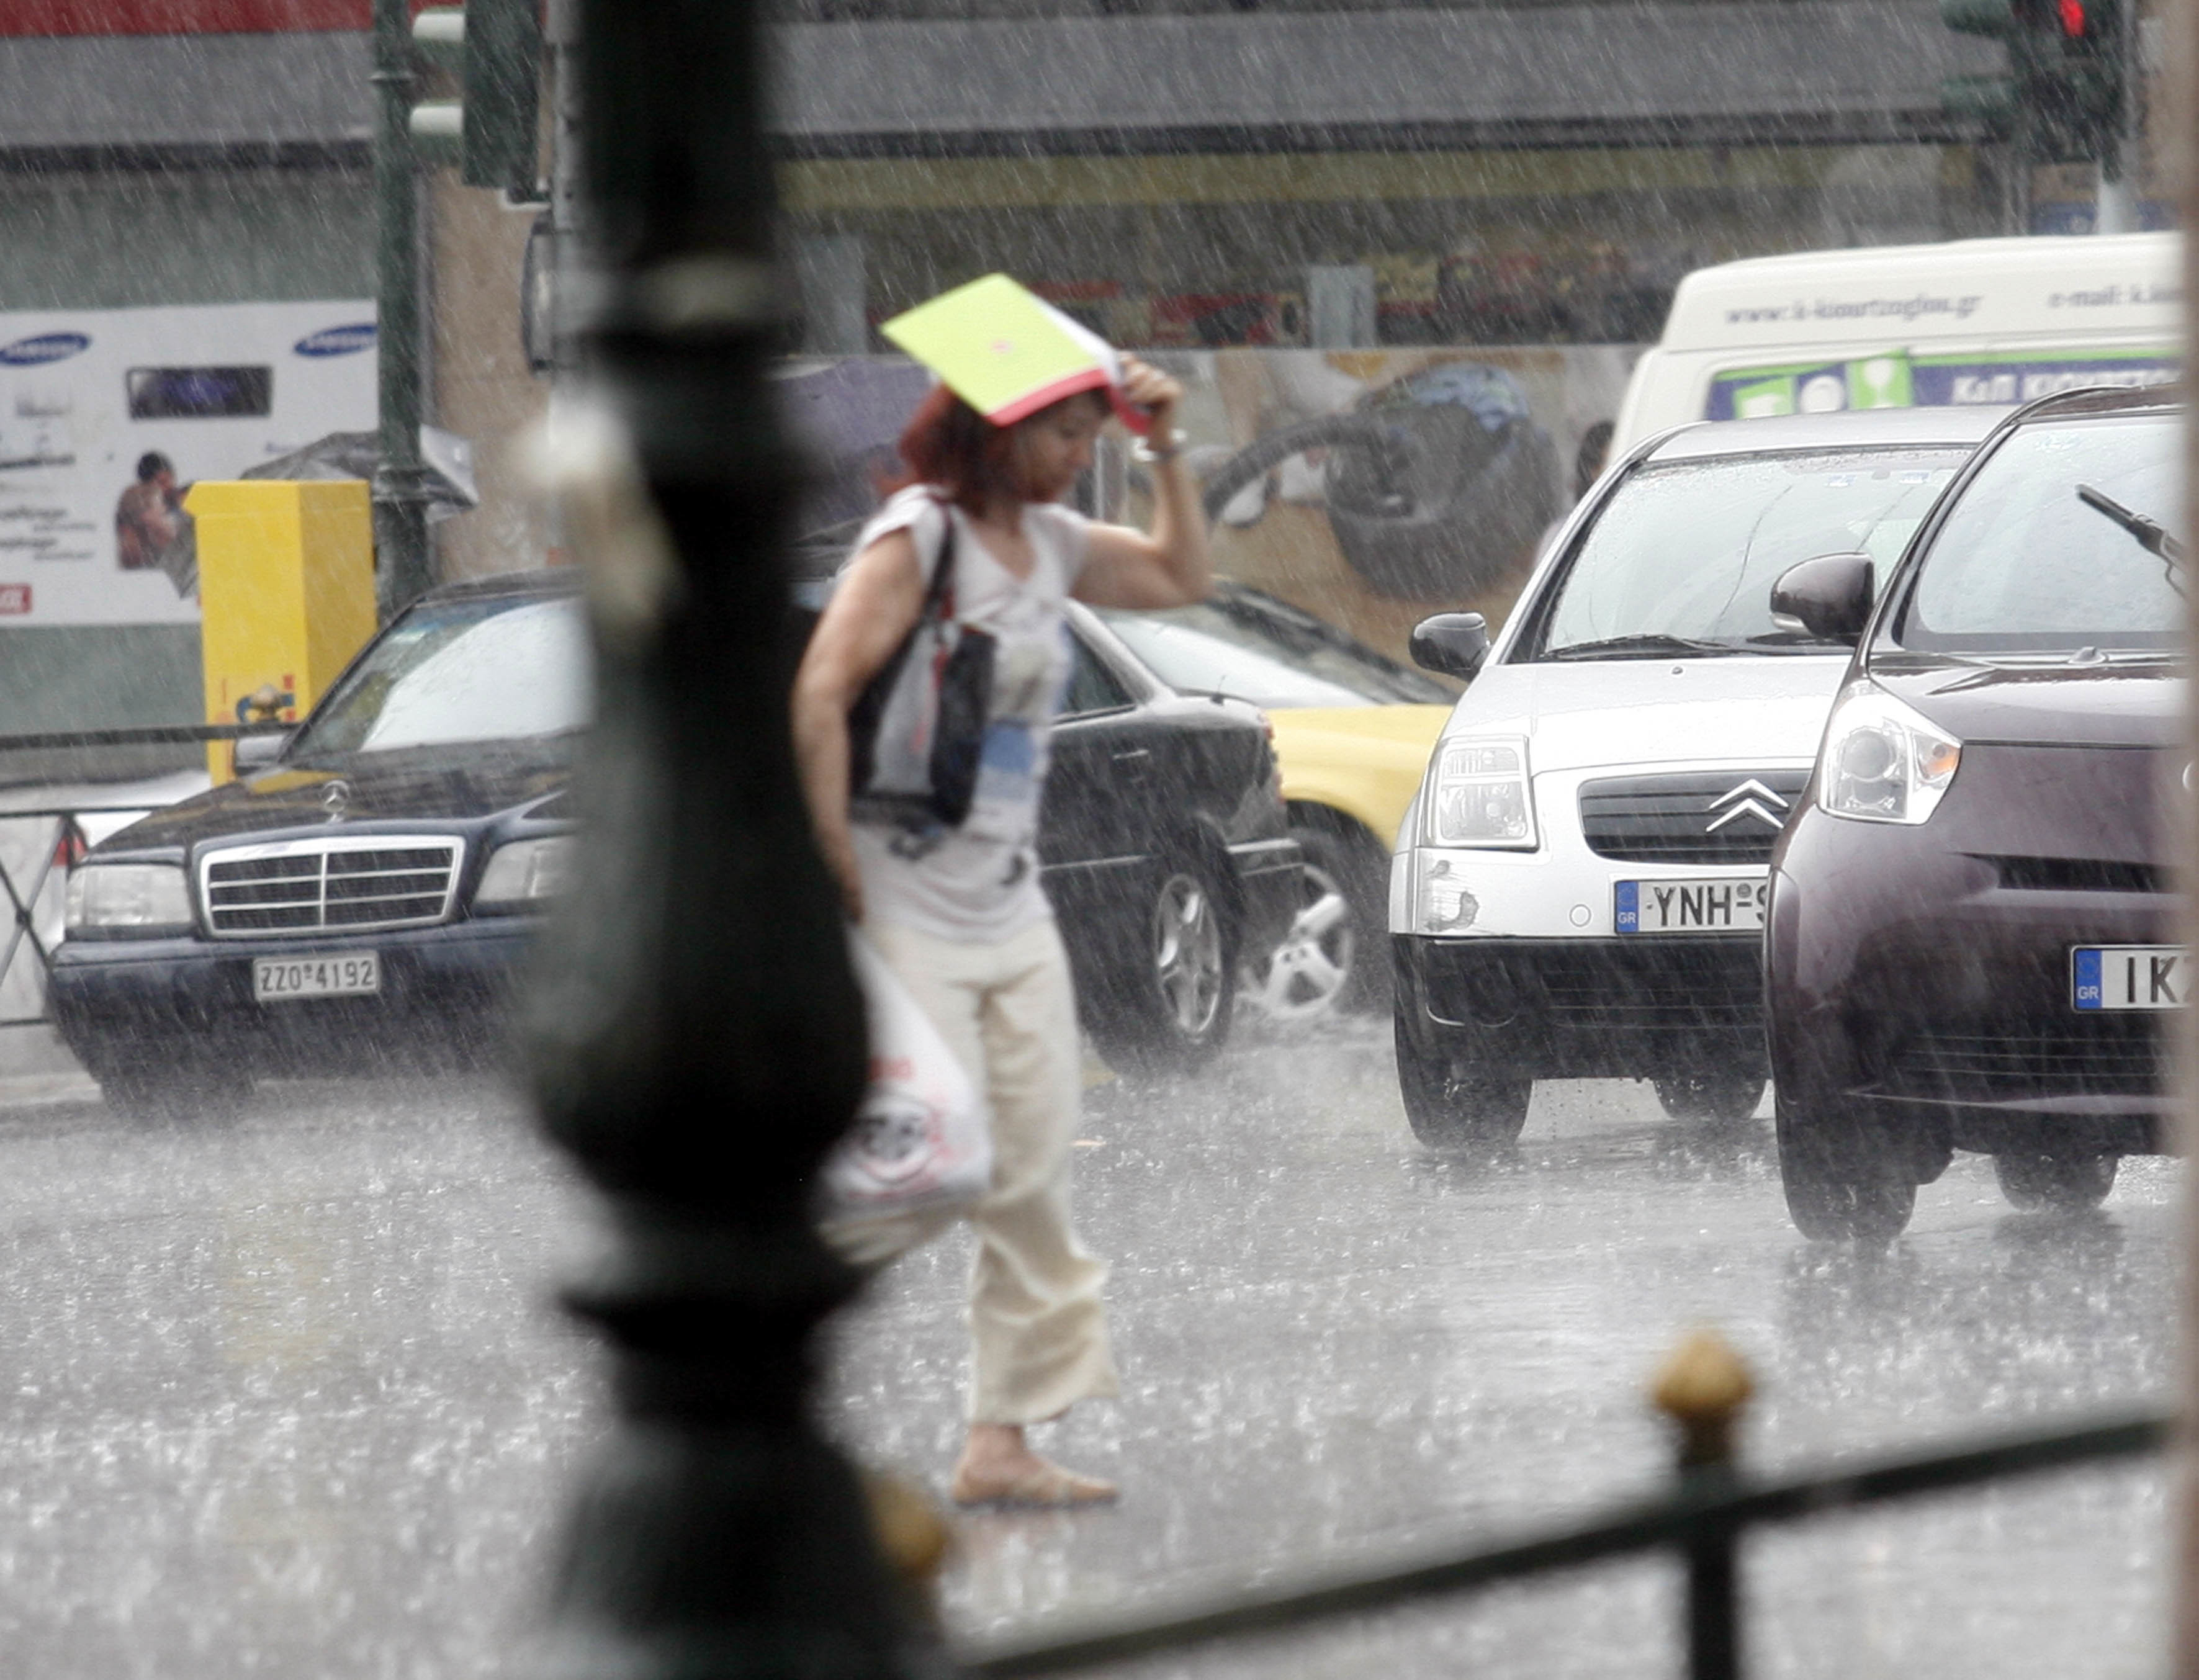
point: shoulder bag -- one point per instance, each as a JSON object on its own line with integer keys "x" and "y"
{"x": 916, "y": 731}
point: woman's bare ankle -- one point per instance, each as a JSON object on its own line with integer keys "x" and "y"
{"x": 990, "y": 1444}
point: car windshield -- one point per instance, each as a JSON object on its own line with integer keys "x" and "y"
{"x": 1215, "y": 647}
{"x": 460, "y": 673}
{"x": 1683, "y": 557}
{"x": 2026, "y": 564}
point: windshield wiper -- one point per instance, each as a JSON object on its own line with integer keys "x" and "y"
{"x": 2151, "y": 534}
{"x": 1649, "y": 645}
{"x": 1805, "y": 640}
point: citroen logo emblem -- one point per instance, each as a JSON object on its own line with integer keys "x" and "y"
{"x": 1751, "y": 799}
{"x": 336, "y": 799}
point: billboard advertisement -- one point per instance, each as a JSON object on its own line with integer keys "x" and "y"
{"x": 108, "y": 416}
{"x": 1370, "y": 487}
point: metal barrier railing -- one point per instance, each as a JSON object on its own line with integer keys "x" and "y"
{"x": 66, "y": 843}
{"x": 1704, "y": 1516}
{"x": 24, "y": 887}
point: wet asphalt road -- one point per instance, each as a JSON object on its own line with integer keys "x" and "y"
{"x": 284, "y": 1397}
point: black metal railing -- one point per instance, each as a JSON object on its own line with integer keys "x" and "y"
{"x": 23, "y": 887}
{"x": 66, "y": 842}
{"x": 1703, "y": 1516}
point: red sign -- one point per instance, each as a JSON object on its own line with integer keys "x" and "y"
{"x": 181, "y": 17}
{"x": 15, "y": 599}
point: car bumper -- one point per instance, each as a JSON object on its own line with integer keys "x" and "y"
{"x": 1269, "y": 891}
{"x": 1920, "y": 992}
{"x": 1585, "y": 1008}
{"x": 443, "y": 996}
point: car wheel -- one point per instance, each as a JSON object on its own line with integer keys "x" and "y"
{"x": 1451, "y": 1107}
{"x": 173, "y": 1088}
{"x": 2066, "y": 1183}
{"x": 1330, "y": 957}
{"x": 1174, "y": 1012}
{"x": 1843, "y": 1187}
{"x": 1715, "y": 1098}
{"x": 1311, "y": 969}
{"x": 1354, "y": 861}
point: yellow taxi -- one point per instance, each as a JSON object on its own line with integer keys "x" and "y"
{"x": 1353, "y": 731}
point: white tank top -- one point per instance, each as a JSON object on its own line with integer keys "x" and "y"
{"x": 978, "y": 884}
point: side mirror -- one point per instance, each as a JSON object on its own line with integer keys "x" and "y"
{"x": 250, "y": 753}
{"x": 1452, "y": 644}
{"x": 1828, "y": 597}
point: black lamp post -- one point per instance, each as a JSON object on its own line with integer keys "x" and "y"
{"x": 698, "y": 1042}
{"x": 400, "y": 497}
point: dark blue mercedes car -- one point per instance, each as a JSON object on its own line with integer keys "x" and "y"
{"x": 360, "y": 899}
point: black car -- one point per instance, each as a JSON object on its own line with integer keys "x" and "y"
{"x": 1353, "y": 732}
{"x": 1165, "y": 848}
{"x": 362, "y": 902}
{"x": 1971, "y": 940}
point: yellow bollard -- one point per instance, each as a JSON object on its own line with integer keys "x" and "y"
{"x": 286, "y": 594}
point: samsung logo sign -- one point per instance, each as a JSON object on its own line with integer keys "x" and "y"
{"x": 337, "y": 340}
{"x": 45, "y": 348}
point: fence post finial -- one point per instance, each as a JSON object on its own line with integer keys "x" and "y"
{"x": 1703, "y": 1385}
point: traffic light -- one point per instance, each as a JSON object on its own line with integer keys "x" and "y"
{"x": 494, "y": 48}
{"x": 1989, "y": 99}
{"x": 2063, "y": 92}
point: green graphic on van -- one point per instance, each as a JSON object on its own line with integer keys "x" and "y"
{"x": 1757, "y": 401}
{"x": 1882, "y": 381}
{"x": 1895, "y": 379}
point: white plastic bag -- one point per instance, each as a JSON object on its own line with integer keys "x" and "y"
{"x": 921, "y": 1139}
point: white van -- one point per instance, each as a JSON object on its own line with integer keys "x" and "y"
{"x": 1982, "y": 322}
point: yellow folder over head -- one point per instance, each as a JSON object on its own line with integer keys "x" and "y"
{"x": 1008, "y": 354}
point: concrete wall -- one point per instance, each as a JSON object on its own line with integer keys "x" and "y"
{"x": 122, "y": 239}
{"x": 82, "y": 240}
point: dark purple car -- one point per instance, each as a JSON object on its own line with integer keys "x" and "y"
{"x": 1971, "y": 937}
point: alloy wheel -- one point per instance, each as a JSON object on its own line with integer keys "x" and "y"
{"x": 1187, "y": 955}
{"x": 1309, "y": 970}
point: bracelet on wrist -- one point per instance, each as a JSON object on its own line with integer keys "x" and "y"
{"x": 1145, "y": 453}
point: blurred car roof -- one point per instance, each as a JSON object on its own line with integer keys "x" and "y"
{"x": 1849, "y": 428}
{"x": 539, "y": 580}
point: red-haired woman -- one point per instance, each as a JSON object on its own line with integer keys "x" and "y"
{"x": 957, "y": 912}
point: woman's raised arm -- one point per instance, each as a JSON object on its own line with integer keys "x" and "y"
{"x": 1128, "y": 567}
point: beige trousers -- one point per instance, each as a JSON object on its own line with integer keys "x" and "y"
{"x": 1038, "y": 1333}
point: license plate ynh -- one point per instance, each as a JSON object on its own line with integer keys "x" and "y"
{"x": 1734, "y": 904}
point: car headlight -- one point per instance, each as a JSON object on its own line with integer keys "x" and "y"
{"x": 525, "y": 872}
{"x": 151, "y": 896}
{"x": 1884, "y": 761}
{"x": 1479, "y": 795}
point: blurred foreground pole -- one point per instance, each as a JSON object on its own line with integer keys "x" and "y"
{"x": 2182, "y": 82}
{"x": 696, "y": 1041}
{"x": 400, "y": 505}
